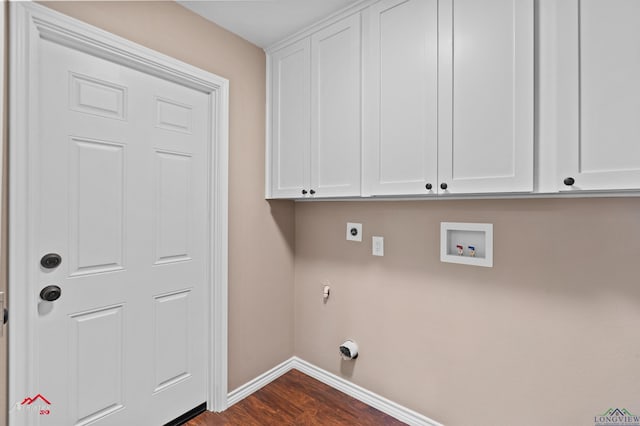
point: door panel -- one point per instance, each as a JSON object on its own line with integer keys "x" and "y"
{"x": 96, "y": 206}
{"x": 96, "y": 359}
{"x": 173, "y": 116}
{"x": 94, "y": 96}
{"x": 122, "y": 197}
{"x": 598, "y": 94}
{"x": 171, "y": 339}
{"x": 486, "y": 96}
{"x": 173, "y": 194}
{"x": 400, "y": 99}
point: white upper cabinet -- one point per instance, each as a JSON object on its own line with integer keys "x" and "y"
{"x": 401, "y": 98}
{"x": 598, "y": 86}
{"x": 290, "y": 123}
{"x": 449, "y": 97}
{"x": 315, "y": 114}
{"x": 457, "y": 97}
{"x": 335, "y": 109}
{"x": 486, "y": 96}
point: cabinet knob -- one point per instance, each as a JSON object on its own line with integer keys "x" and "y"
{"x": 304, "y": 192}
{"x": 428, "y": 186}
{"x": 569, "y": 181}
{"x": 312, "y": 192}
{"x": 443, "y": 185}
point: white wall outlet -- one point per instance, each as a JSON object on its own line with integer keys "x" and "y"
{"x": 354, "y": 231}
{"x": 377, "y": 244}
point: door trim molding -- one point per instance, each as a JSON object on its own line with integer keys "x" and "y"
{"x": 31, "y": 22}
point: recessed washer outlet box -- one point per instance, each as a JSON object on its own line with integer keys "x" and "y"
{"x": 467, "y": 243}
{"x": 354, "y": 232}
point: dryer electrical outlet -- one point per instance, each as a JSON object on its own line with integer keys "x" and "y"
{"x": 354, "y": 232}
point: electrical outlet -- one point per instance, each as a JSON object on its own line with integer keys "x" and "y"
{"x": 377, "y": 246}
{"x": 354, "y": 231}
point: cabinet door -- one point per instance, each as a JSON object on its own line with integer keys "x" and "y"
{"x": 486, "y": 99}
{"x": 290, "y": 112}
{"x": 599, "y": 94}
{"x": 335, "y": 109}
{"x": 401, "y": 98}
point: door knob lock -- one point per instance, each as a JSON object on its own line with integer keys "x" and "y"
{"x": 50, "y": 260}
{"x": 51, "y": 293}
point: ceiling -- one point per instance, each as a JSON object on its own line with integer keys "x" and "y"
{"x": 263, "y": 22}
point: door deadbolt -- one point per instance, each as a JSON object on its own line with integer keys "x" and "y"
{"x": 51, "y": 293}
{"x": 51, "y": 260}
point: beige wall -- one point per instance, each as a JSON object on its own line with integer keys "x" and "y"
{"x": 260, "y": 233}
{"x": 549, "y": 335}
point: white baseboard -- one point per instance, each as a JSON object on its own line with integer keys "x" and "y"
{"x": 259, "y": 382}
{"x": 372, "y": 399}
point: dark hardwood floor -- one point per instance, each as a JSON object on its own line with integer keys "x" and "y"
{"x": 297, "y": 399}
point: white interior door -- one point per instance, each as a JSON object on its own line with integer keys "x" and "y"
{"x": 121, "y": 195}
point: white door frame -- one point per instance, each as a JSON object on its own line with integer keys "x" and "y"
{"x": 30, "y": 22}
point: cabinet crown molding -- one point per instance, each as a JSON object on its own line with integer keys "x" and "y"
{"x": 317, "y": 26}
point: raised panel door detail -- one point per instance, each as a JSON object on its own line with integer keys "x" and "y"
{"x": 335, "y": 123}
{"x": 96, "y": 206}
{"x": 291, "y": 119}
{"x": 96, "y": 363}
{"x": 172, "y": 115}
{"x": 173, "y": 200}
{"x": 486, "y": 99}
{"x": 126, "y": 205}
{"x": 401, "y": 94}
{"x": 599, "y": 94}
{"x": 97, "y": 97}
{"x": 171, "y": 339}
{"x": 483, "y": 89}
{"x": 610, "y": 87}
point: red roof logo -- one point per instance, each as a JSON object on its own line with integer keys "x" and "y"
{"x": 29, "y": 401}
